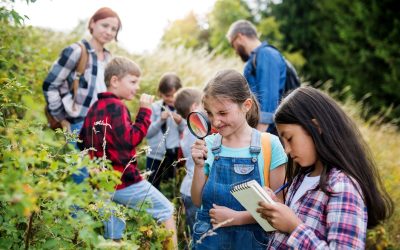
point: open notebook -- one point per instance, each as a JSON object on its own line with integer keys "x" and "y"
{"x": 249, "y": 194}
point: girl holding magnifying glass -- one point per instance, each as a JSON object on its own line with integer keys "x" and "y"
{"x": 224, "y": 159}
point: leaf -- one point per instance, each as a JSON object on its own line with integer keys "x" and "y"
{"x": 51, "y": 244}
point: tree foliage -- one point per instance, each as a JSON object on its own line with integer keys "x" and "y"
{"x": 350, "y": 42}
{"x": 223, "y": 14}
{"x": 8, "y": 14}
{"x": 186, "y": 32}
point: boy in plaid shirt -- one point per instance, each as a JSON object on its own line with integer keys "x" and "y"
{"x": 110, "y": 118}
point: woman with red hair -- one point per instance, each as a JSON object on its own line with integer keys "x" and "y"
{"x": 69, "y": 105}
{"x": 66, "y": 104}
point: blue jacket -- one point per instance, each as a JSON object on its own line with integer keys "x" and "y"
{"x": 267, "y": 79}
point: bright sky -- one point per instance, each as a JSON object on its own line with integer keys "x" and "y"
{"x": 143, "y": 21}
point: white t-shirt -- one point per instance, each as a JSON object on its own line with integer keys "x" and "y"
{"x": 186, "y": 143}
{"x": 307, "y": 184}
{"x": 100, "y": 84}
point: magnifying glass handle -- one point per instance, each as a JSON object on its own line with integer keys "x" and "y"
{"x": 204, "y": 157}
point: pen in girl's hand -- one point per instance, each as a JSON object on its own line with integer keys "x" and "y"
{"x": 281, "y": 188}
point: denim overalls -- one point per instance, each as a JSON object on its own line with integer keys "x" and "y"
{"x": 225, "y": 172}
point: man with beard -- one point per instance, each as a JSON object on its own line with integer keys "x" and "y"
{"x": 265, "y": 69}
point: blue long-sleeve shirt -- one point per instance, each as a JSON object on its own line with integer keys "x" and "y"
{"x": 267, "y": 79}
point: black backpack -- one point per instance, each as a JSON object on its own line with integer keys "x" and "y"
{"x": 292, "y": 79}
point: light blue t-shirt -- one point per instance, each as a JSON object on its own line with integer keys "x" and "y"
{"x": 278, "y": 156}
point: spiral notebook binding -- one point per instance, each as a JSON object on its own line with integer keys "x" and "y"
{"x": 240, "y": 186}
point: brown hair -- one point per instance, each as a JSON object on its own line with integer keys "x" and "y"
{"x": 120, "y": 67}
{"x": 232, "y": 85}
{"x": 104, "y": 13}
{"x": 184, "y": 100}
{"x": 168, "y": 82}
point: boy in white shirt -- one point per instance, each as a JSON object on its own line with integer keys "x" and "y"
{"x": 186, "y": 101}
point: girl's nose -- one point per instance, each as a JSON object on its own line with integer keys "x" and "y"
{"x": 215, "y": 123}
{"x": 287, "y": 148}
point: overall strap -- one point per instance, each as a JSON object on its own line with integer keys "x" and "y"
{"x": 216, "y": 147}
{"x": 255, "y": 144}
{"x": 267, "y": 151}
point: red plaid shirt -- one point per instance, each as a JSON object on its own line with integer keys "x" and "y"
{"x": 110, "y": 117}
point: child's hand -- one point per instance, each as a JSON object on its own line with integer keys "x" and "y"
{"x": 220, "y": 214}
{"x": 199, "y": 153}
{"x": 164, "y": 115}
{"x": 146, "y": 101}
{"x": 272, "y": 194}
{"x": 66, "y": 125}
{"x": 177, "y": 117}
{"x": 279, "y": 216}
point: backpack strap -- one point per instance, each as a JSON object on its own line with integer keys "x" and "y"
{"x": 80, "y": 70}
{"x": 253, "y": 62}
{"x": 254, "y": 59}
{"x": 267, "y": 151}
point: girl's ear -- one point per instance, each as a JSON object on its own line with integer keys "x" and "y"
{"x": 316, "y": 125}
{"x": 247, "y": 104}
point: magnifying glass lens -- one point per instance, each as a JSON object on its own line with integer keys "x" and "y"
{"x": 198, "y": 124}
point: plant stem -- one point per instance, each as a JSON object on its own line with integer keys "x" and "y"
{"x": 28, "y": 231}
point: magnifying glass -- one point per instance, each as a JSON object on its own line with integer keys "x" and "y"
{"x": 198, "y": 124}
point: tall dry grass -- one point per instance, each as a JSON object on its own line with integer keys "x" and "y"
{"x": 384, "y": 143}
{"x": 194, "y": 67}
